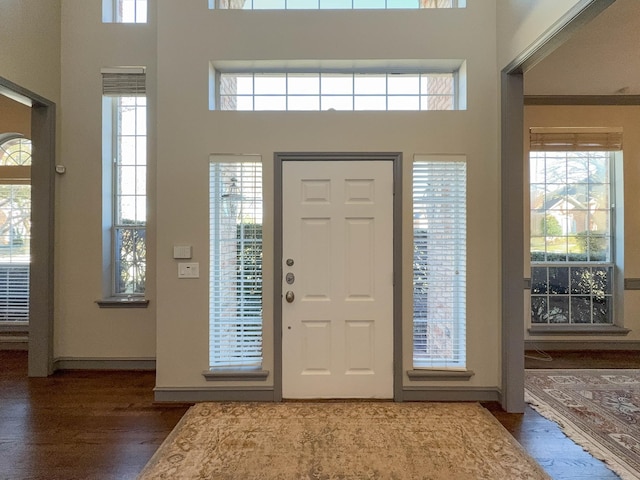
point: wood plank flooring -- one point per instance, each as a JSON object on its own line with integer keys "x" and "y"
{"x": 104, "y": 425}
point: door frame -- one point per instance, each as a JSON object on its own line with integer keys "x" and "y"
{"x": 278, "y": 160}
{"x": 41, "y": 278}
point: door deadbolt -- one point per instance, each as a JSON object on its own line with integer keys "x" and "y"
{"x": 290, "y": 278}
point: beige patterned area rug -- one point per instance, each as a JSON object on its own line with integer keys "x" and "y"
{"x": 340, "y": 440}
{"x": 598, "y": 409}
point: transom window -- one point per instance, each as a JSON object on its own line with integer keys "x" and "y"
{"x": 333, "y": 4}
{"x": 317, "y": 91}
{"x": 124, "y": 11}
{"x": 572, "y": 230}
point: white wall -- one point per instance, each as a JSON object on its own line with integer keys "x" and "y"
{"x": 30, "y": 45}
{"x": 190, "y": 36}
{"x": 627, "y": 117}
{"x": 81, "y": 329}
{"x": 522, "y": 22}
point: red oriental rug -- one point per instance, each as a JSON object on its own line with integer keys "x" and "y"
{"x": 598, "y": 409}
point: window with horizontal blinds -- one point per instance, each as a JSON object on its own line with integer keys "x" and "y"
{"x": 439, "y": 262}
{"x": 124, "y": 81}
{"x": 235, "y": 297}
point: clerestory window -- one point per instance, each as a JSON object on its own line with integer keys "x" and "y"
{"x": 316, "y": 91}
{"x": 124, "y": 11}
{"x": 333, "y": 4}
{"x": 574, "y": 178}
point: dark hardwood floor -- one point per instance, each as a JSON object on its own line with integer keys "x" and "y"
{"x": 104, "y": 425}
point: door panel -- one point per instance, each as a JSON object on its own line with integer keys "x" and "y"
{"x": 338, "y": 231}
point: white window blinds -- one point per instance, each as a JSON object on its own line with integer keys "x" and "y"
{"x": 124, "y": 82}
{"x": 235, "y": 300}
{"x": 439, "y": 262}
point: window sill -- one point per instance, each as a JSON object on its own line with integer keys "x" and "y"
{"x": 436, "y": 375}
{"x": 578, "y": 330}
{"x": 124, "y": 302}
{"x": 235, "y": 374}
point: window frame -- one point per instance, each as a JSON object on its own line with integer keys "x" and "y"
{"x": 246, "y": 361}
{"x": 454, "y": 284}
{"x": 589, "y": 139}
{"x": 219, "y": 5}
{"x": 123, "y": 83}
{"x": 456, "y": 97}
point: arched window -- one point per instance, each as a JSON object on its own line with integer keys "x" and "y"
{"x": 15, "y": 150}
{"x": 15, "y": 227}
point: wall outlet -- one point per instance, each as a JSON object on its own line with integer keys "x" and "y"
{"x": 188, "y": 270}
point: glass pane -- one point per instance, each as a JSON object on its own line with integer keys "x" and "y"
{"x": 558, "y": 280}
{"x": 556, "y": 249}
{"x": 126, "y": 210}
{"x": 370, "y": 84}
{"x": 599, "y": 168}
{"x": 602, "y": 310}
{"x": 141, "y": 210}
{"x": 403, "y": 103}
{"x": 335, "y": 4}
{"x": 128, "y": 120}
{"x": 337, "y": 84}
{"x": 270, "y": 103}
{"x": 403, "y": 4}
{"x": 308, "y": 84}
{"x": 127, "y": 151}
{"x": 539, "y": 312}
{"x": 538, "y": 280}
{"x": 337, "y": 103}
{"x": 244, "y": 103}
{"x": 370, "y": 103}
{"x": 537, "y": 168}
{"x": 304, "y": 103}
{"x": 130, "y": 262}
{"x": 141, "y": 180}
{"x": 268, "y": 4}
{"x": 362, "y": 4}
{"x": 127, "y": 180}
{"x": 436, "y": 102}
{"x": 141, "y": 121}
{"x": 580, "y": 310}
{"x": 556, "y": 169}
{"x": 141, "y": 151}
{"x": 599, "y": 248}
{"x": 302, "y": 4}
{"x": 403, "y": 84}
{"x": 270, "y": 84}
{"x": 558, "y": 310}
{"x": 581, "y": 280}
{"x": 602, "y": 278}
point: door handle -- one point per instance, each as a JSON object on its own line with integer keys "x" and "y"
{"x": 289, "y": 296}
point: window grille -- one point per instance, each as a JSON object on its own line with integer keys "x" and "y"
{"x": 125, "y": 89}
{"x": 316, "y": 91}
{"x": 572, "y": 191}
{"x": 439, "y": 263}
{"x": 235, "y": 300}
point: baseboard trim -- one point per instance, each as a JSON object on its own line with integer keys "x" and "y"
{"x": 450, "y": 394}
{"x": 581, "y": 345}
{"x": 14, "y": 342}
{"x": 79, "y": 363}
{"x": 236, "y": 394}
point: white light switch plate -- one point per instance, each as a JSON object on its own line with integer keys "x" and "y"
{"x": 188, "y": 270}
{"x": 182, "y": 251}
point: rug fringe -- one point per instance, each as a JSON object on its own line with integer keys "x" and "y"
{"x": 586, "y": 443}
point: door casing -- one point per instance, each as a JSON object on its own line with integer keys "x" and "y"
{"x": 396, "y": 158}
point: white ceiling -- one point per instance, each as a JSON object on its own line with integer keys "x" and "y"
{"x": 602, "y": 58}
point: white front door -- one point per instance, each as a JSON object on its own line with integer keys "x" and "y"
{"x": 337, "y": 312}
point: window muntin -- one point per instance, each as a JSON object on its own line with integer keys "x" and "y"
{"x": 572, "y": 237}
{"x": 315, "y": 91}
{"x": 439, "y": 263}
{"x": 333, "y": 4}
{"x": 124, "y": 11}
{"x": 235, "y": 300}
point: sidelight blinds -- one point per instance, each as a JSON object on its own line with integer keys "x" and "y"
{"x": 439, "y": 262}
{"x": 235, "y": 300}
